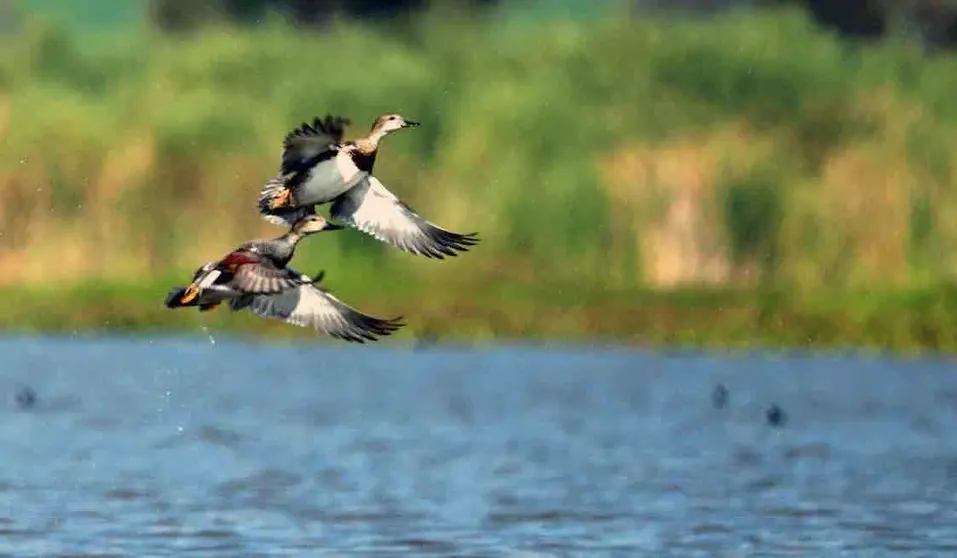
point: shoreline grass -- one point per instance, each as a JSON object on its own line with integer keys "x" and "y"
{"x": 915, "y": 321}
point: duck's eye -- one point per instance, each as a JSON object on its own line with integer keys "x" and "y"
{"x": 393, "y": 117}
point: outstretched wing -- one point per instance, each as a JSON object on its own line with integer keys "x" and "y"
{"x": 309, "y": 143}
{"x": 313, "y": 307}
{"x": 373, "y": 209}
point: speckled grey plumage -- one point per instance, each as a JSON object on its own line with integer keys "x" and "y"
{"x": 279, "y": 251}
{"x": 227, "y": 286}
{"x": 219, "y": 293}
{"x": 255, "y": 267}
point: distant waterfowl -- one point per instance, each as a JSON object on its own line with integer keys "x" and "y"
{"x": 255, "y": 276}
{"x": 720, "y": 396}
{"x": 26, "y": 397}
{"x": 775, "y": 415}
{"x": 318, "y": 167}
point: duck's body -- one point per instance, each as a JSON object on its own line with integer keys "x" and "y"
{"x": 257, "y": 266}
{"x": 306, "y": 305}
{"x": 318, "y": 167}
{"x": 255, "y": 276}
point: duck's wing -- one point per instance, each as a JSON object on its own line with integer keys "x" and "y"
{"x": 311, "y": 306}
{"x": 309, "y": 143}
{"x": 255, "y": 274}
{"x": 374, "y": 210}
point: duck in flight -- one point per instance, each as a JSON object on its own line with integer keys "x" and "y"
{"x": 318, "y": 167}
{"x": 258, "y": 266}
{"x": 255, "y": 277}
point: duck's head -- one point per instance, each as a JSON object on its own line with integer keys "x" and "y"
{"x": 314, "y": 223}
{"x": 392, "y": 122}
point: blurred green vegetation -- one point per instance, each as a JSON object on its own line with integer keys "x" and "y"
{"x": 597, "y": 159}
{"x": 917, "y": 322}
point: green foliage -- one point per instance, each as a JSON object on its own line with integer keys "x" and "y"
{"x": 752, "y": 214}
{"x": 918, "y": 321}
{"x": 523, "y": 129}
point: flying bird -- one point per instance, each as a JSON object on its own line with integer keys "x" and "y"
{"x": 318, "y": 167}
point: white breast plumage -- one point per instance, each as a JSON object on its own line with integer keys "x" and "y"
{"x": 345, "y": 165}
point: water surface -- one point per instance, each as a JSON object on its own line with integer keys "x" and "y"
{"x": 187, "y": 448}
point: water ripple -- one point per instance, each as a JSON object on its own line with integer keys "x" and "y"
{"x": 448, "y": 452}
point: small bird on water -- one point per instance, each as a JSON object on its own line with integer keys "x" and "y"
{"x": 318, "y": 167}
{"x": 776, "y": 416}
{"x": 26, "y": 397}
{"x": 720, "y": 396}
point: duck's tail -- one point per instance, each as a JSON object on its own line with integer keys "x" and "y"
{"x": 174, "y": 299}
{"x": 273, "y": 197}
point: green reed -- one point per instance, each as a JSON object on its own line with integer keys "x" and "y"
{"x": 748, "y": 151}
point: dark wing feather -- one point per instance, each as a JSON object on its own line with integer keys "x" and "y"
{"x": 261, "y": 278}
{"x": 374, "y": 210}
{"x": 252, "y": 273}
{"x": 309, "y": 143}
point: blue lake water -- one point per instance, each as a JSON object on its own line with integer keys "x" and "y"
{"x": 176, "y": 447}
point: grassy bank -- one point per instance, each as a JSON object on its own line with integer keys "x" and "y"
{"x": 918, "y": 321}
{"x": 750, "y": 153}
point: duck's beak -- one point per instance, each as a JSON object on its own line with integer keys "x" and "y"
{"x": 410, "y": 124}
{"x": 332, "y": 227}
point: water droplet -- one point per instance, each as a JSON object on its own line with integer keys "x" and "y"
{"x": 206, "y": 331}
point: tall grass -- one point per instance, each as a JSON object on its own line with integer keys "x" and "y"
{"x": 746, "y": 149}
